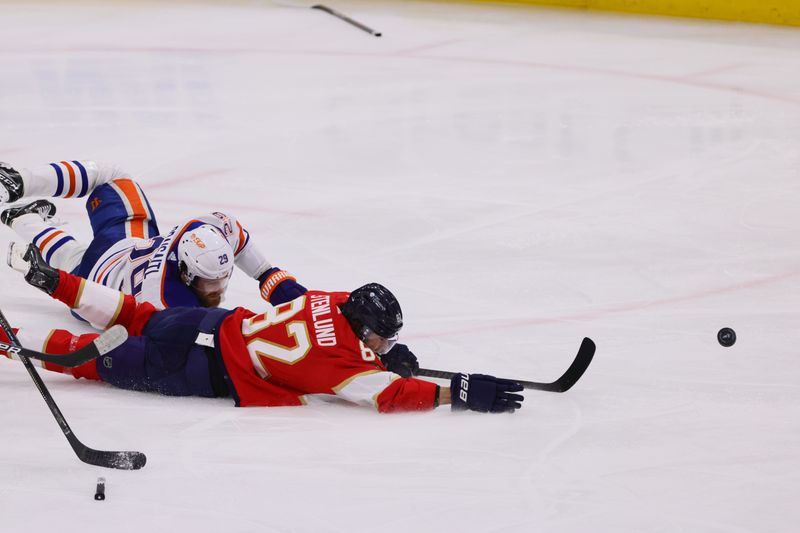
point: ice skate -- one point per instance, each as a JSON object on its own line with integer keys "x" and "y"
{"x": 43, "y": 208}
{"x": 11, "y": 188}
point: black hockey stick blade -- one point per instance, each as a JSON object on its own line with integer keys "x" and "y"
{"x": 107, "y": 459}
{"x": 103, "y": 344}
{"x": 575, "y": 370}
{"x": 562, "y": 384}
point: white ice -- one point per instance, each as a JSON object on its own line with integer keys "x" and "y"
{"x": 520, "y": 177}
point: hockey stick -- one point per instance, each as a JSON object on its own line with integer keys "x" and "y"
{"x": 562, "y": 384}
{"x": 347, "y": 19}
{"x": 103, "y": 344}
{"x": 106, "y": 459}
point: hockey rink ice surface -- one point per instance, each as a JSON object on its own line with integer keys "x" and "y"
{"x": 520, "y": 178}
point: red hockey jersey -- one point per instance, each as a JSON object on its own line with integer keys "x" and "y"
{"x": 300, "y": 348}
{"x": 307, "y": 347}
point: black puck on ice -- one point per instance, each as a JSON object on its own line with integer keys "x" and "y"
{"x": 726, "y": 337}
{"x": 100, "y": 493}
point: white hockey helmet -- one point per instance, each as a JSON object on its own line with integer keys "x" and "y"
{"x": 205, "y": 254}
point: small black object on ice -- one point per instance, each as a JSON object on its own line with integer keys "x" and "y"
{"x": 100, "y": 493}
{"x": 347, "y": 19}
{"x": 726, "y": 337}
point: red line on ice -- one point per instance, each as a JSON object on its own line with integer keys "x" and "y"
{"x": 614, "y": 309}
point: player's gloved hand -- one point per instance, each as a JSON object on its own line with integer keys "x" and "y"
{"x": 30, "y": 262}
{"x": 401, "y": 361}
{"x": 278, "y": 286}
{"x": 479, "y": 392}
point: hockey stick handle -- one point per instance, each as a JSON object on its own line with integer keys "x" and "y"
{"x": 106, "y": 459}
{"x": 62, "y": 422}
{"x": 347, "y": 19}
{"x": 444, "y": 374}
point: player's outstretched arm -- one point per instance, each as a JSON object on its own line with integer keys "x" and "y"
{"x": 390, "y": 394}
{"x": 276, "y": 285}
{"x": 99, "y": 305}
{"x": 475, "y": 392}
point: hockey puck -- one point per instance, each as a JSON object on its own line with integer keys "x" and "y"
{"x": 100, "y": 492}
{"x": 726, "y": 337}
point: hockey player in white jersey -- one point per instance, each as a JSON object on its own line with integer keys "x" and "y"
{"x": 189, "y": 266}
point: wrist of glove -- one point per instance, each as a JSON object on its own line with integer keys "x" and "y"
{"x": 30, "y": 262}
{"x": 278, "y": 286}
{"x": 485, "y": 394}
{"x": 401, "y": 361}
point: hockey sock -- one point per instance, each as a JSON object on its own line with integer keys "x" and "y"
{"x": 59, "y": 248}
{"x": 58, "y": 341}
{"x": 66, "y": 179}
{"x": 4, "y": 338}
{"x": 62, "y": 341}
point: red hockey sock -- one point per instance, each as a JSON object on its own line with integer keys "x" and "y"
{"x": 62, "y": 341}
{"x": 4, "y": 338}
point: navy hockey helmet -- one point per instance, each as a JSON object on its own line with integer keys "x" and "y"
{"x": 373, "y": 308}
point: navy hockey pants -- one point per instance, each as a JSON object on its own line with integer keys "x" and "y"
{"x": 165, "y": 359}
{"x": 117, "y": 210}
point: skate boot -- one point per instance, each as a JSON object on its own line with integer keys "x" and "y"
{"x": 11, "y": 188}
{"x": 43, "y": 208}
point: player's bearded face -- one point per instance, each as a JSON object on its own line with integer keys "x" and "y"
{"x": 210, "y": 292}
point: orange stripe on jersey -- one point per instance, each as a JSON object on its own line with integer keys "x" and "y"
{"x": 72, "y": 180}
{"x": 99, "y": 277}
{"x": 138, "y": 211}
{"x": 241, "y": 239}
{"x": 50, "y": 238}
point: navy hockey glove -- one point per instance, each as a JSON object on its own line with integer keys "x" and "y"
{"x": 31, "y": 263}
{"x": 478, "y": 392}
{"x": 401, "y": 361}
{"x": 278, "y": 286}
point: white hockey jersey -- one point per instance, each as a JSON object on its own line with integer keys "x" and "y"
{"x": 148, "y": 268}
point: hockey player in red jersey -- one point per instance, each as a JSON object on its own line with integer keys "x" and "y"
{"x": 321, "y": 343}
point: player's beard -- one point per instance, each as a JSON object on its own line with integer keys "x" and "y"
{"x": 210, "y": 300}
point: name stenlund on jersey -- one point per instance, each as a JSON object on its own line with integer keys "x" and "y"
{"x": 323, "y": 327}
